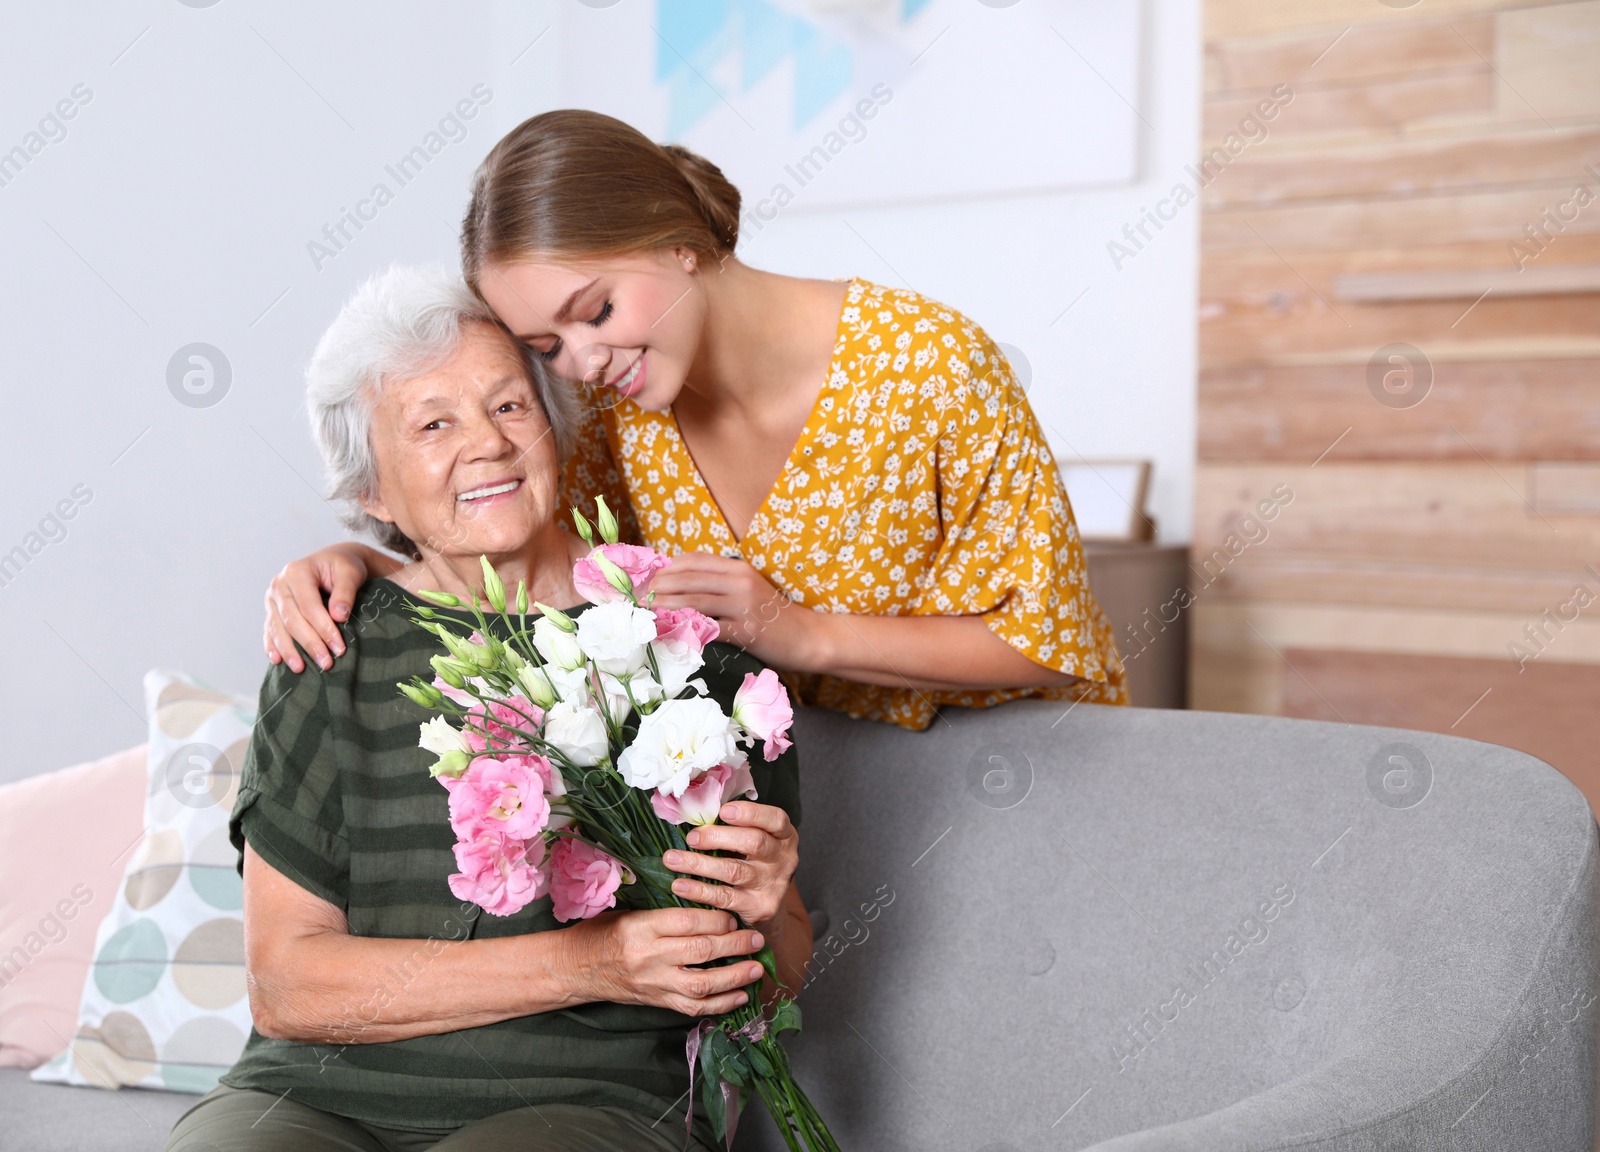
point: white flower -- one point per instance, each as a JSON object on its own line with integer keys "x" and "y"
{"x": 571, "y": 684}
{"x": 578, "y": 731}
{"x": 616, "y": 694}
{"x": 615, "y": 636}
{"x": 560, "y": 649}
{"x": 439, "y": 738}
{"x": 677, "y": 742}
{"x": 677, "y": 661}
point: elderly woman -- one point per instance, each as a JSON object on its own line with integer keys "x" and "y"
{"x": 389, "y": 1015}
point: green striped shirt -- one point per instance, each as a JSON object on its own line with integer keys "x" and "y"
{"x": 336, "y": 795}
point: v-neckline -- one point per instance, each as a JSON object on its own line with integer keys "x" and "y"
{"x": 812, "y": 425}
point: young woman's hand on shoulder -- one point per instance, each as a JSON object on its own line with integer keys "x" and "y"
{"x": 295, "y": 609}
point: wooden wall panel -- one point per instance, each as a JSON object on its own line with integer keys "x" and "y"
{"x": 1468, "y": 512}
{"x": 1523, "y": 409}
{"x": 1382, "y": 109}
{"x": 1544, "y": 709}
{"x": 1392, "y": 202}
{"x": 1292, "y": 316}
{"x": 1546, "y": 61}
{"x": 1550, "y": 158}
{"x": 1264, "y": 18}
{"x": 1494, "y": 215}
{"x": 1376, "y": 53}
{"x": 1335, "y": 580}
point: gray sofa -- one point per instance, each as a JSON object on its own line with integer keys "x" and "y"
{"x": 1139, "y": 930}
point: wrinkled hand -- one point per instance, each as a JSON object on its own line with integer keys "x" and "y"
{"x": 755, "y": 880}
{"x": 645, "y": 957}
{"x": 295, "y": 612}
{"x": 749, "y": 610}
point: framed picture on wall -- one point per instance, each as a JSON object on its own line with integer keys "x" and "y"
{"x": 1107, "y": 498}
{"x": 820, "y": 104}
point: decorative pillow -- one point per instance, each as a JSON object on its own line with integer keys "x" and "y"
{"x": 53, "y": 893}
{"x": 164, "y": 1005}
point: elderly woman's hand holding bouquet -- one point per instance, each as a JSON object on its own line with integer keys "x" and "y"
{"x": 527, "y": 956}
{"x": 584, "y": 749}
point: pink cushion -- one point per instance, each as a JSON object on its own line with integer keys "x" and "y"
{"x": 55, "y": 888}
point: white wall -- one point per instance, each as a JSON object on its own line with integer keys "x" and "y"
{"x": 1111, "y": 350}
{"x": 217, "y": 142}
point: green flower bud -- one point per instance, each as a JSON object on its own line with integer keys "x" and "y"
{"x": 494, "y": 590}
{"x": 584, "y": 531}
{"x": 537, "y": 685}
{"x": 615, "y": 576}
{"x": 424, "y": 694}
{"x": 557, "y": 617}
{"x": 449, "y": 671}
{"x": 443, "y": 599}
{"x": 451, "y": 764}
{"x": 606, "y": 521}
{"x": 458, "y": 647}
{"x": 522, "y": 597}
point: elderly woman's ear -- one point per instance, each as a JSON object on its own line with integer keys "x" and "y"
{"x": 372, "y": 504}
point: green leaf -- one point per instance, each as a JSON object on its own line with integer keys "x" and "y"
{"x": 727, "y": 1059}
{"x": 769, "y": 962}
{"x": 655, "y": 878}
{"x": 785, "y": 1017}
{"x": 653, "y": 871}
{"x": 711, "y": 1098}
{"x": 758, "y": 1062}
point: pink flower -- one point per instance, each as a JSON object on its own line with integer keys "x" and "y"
{"x": 554, "y": 786}
{"x": 498, "y": 873}
{"x": 500, "y": 796}
{"x": 583, "y": 879}
{"x": 685, "y": 626}
{"x": 705, "y": 796}
{"x": 498, "y": 724}
{"x": 641, "y": 565}
{"x": 761, "y": 707}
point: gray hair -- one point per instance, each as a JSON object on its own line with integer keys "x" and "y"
{"x": 399, "y": 324}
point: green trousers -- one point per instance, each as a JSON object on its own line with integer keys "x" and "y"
{"x": 244, "y": 1120}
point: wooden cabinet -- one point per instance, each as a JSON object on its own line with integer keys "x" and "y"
{"x": 1139, "y": 588}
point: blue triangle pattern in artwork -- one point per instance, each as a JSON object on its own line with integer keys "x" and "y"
{"x": 696, "y": 35}
{"x": 688, "y": 99}
{"x": 691, "y": 32}
{"x": 766, "y": 36}
{"x": 821, "y": 73}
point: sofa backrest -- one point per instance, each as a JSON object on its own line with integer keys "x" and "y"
{"x": 1049, "y": 926}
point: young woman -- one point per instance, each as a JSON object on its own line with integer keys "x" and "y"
{"x": 849, "y": 475}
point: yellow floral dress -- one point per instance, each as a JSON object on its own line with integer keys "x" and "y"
{"x": 920, "y": 486}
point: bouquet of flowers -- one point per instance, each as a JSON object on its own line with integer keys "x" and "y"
{"x": 575, "y": 752}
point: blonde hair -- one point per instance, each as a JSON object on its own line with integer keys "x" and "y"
{"x": 580, "y": 183}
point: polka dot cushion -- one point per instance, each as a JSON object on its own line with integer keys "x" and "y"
{"x": 164, "y": 1005}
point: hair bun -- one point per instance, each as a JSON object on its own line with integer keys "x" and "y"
{"x": 719, "y": 199}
